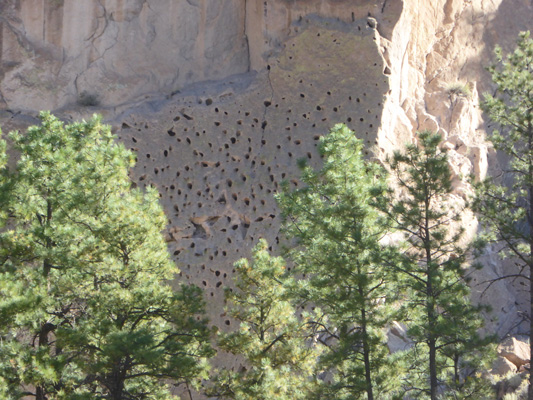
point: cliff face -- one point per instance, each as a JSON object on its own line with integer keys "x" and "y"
{"x": 60, "y": 51}
{"x": 221, "y": 97}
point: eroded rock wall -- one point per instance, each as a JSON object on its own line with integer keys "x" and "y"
{"x": 220, "y": 98}
{"x": 218, "y": 157}
{"x": 108, "y": 52}
{"x": 435, "y": 49}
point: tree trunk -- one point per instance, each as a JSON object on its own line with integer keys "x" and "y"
{"x": 431, "y": 341}
{"x": 530, "y": 220}
{"x": 40, "y": 391}
{"x": 530, "y": 223}
{"x": 433, "y": 383}
{"x": 117, "y": 384}
{"x": 530, "y": 388}
{"x": 366, "y": 356}
{"x": 430, "y": 305}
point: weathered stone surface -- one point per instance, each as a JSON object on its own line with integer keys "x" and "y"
{"x": 220, "y": 97}
{"x": 514, "y": 350}
{"x": 53, "y": 51}
{"x": 502, "y": 366}
{"x": 397, "y": 338}
{"x": 219, "y": 154}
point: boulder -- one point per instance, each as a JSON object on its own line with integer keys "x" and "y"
{"x": 502, "y": 366}
{"x": 397, "y": 338}
{"x": 514, "y": 350}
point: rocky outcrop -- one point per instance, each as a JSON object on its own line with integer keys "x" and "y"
{"x": 502, "y": 366}
{"x": 397, "y": 338}
{"x": 94, "y": 52}
{"x": 515, "y": 351}
{"x": 219, "y": 98}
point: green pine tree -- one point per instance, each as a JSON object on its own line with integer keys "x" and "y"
{"x": 273, "y": 340}
{"x": 443, "y": 323}
{"x": 339, "y": 250}
{"x": 506, "y": 208}
{"x": 85, "y": 309}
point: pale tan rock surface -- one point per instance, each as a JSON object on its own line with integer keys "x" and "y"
{"x": 515, "y": 350}
{"x": 221, "y": 97}
{"x": 397, "y": 338}
{"x": 502, "y": 366}
{"x": 54, "y": 51}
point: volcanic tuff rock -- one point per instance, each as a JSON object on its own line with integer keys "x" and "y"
{"x": 220, "y": 98}
{"x": 515, "y": 350}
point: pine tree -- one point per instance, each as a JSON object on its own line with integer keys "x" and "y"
{"x": 273, "y": 340}
{"x": 506, "y": 208}
{"x": 338, "y": 238}
{"x": 443, "y": 323}
{"x": 85, "y": 309}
